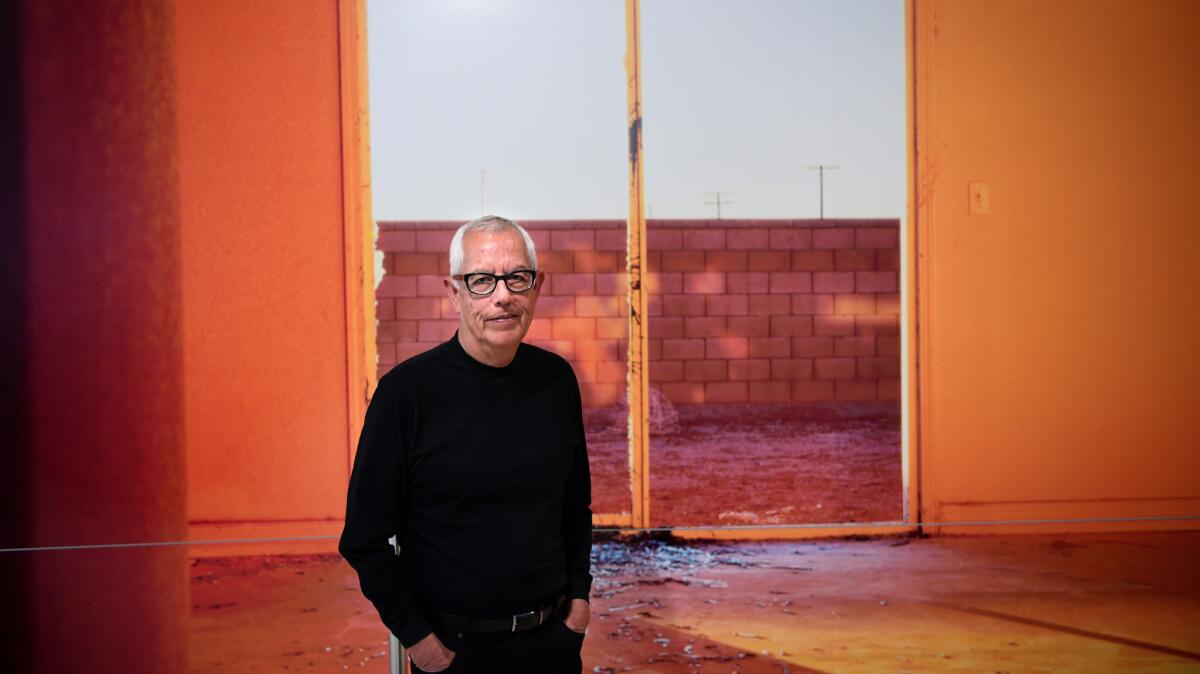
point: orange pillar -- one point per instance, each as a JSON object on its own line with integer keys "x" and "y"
{"x": 92, "y": 393}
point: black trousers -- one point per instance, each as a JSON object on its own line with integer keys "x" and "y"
{"x": 552, "y": 648}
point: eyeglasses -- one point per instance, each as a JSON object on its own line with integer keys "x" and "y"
{"x": 482, "y": 284}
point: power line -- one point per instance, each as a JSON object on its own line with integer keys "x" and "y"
{"x": 821, "y": 169}
{"x": 717, "y": 201}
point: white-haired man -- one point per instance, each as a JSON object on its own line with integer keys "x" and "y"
{"x": 472, "y": 454}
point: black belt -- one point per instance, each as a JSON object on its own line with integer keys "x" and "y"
{"x": 514, "y": 623}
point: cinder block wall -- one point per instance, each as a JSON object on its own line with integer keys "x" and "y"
{"x": 741, "y": 310}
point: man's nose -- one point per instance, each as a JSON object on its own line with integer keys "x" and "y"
{"x": 501, "y": 295}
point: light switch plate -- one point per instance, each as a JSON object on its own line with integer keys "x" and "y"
{"x": 980, "y": 195}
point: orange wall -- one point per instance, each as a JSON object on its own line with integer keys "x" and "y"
{"x": 264, "y": 284}
{"x": 1060, "y": 369}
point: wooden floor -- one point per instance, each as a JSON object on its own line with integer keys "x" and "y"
{"x": 1083, "y": 603}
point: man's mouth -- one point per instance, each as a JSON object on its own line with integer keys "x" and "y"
{"x": 503, "y": 318}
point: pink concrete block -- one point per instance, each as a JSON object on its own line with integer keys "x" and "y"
{"x": 397, "y": 331}
{"x": 749, "y": 370}
{"x": 573, "y": 239}
{"x": 667, "y": 283}
{"x": 436, "y": 330}
{"x": 854, "y": 304}
{"x": 683, "y": 305}
{"x": 786, "y": 369}
{"x": 683, "y": 260}
{"x": 746, "y": 239}
{"x": 725, "y": 260}
{"x": 812, "y": 347}
{"x": 611, "y": 239}
{"x": 447, "y": 309}
{"x": 703, "y": 239}
{"x": 708, "y": 326}
{"x": 387, "y": 356}
{"x": 664, "y": 239}
{"x": 406, "y": 350}
{"x": 574, "y": 328}
{"x": 832, "y": 238}
{"x": 683, "y": 349}
{"x": 834, "y": 368}
{"x": 667, "y": 327}
{"x": 595, "y": 260}
{"x": 418, "y": 307}
{"x": 431, "y": 285}
{"x": 397, "y": 286}
{"x": 749, "y": 326}
{"x": 600, "y": 395}
{"x": 833, "y": 281}
{"x": 399, "y": 241}
{"x": 812, "y": 390}
{"x": 790, "y": 282}
{"x": 888, "y": 389}
{"x": 540, "y": 329}
{"x": 703, "y": 283}
{"x": 684, "y": 393}
{"x": 726, "y": 305}
{"x": 725, "y": 392}
{"x": 554, "y": 306}
{"x": 654, "y": 305}
{"x": 878, "y": 368}
{"x": 854, "y": 389}
{"x": 385, "y": 309}
{"x": 854, "y": 260}
{"x": 596, "y": 349}
{"x": 887, "y": 303}
{"x": 808, "y": 303}
{"x": 666, "y": 370}
{"x": 705, "y": 370}
{"x": 770, "y": 392}
{"x": 747, "y": 282}
{"x": 812, "y": 260}
{"x": 791, "y": 326}
{"x": 876, "y": 281}
{"x": 573, "y": 284}
{"x": 585, "y": 373}
{"x": 789, "y": 238}
{"x": 770, "y": 347}
{"x": 877, "y": 237}
{"x": 769, "y": 260}
{"x": 887, "y": 346}
{"x": 850, "y": 347}
{"x": 614, "y": 284}
{"x": 563, "y": 347}
{"x": 888, "y": 260}
{"x": 435, "y": 241}
{"x": 593, "y": 305}
{"x": 412, "y": 263}
{"x": 834, "y": 326}
{"x": 613, "y": 328}
{"x": 612, "y": 372}
{"x": 770, "y": 305}
{"x": 556, "y": 261}
{"x": 877, "y": 324}
{"x": 726, "y": 347}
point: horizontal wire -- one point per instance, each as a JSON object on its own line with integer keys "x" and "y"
{"x": 735, "y": 527}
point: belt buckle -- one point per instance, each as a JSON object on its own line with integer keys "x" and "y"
{"x": 522, "y": 617}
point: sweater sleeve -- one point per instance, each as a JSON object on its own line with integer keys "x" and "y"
{"x": 577, "y": 511}
{"x": 373, "y": 514}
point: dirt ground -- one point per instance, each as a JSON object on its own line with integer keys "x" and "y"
{"x": 1086, "y": 603}
{"x": 757, "y": 464}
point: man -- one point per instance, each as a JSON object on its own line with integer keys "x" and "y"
{"x": 472, "y": 454}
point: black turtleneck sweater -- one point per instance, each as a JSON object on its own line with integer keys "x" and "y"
{"x": 482, "y": 474}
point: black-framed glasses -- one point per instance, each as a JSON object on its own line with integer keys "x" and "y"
{"x": 482, "y": 284}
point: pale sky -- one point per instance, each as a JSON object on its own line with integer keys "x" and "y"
{"x": 739, "y": 97}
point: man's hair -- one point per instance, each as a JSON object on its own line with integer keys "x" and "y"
{"x": 488, "y": 223}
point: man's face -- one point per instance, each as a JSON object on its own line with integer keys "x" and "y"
{"x": 496, "y": 322}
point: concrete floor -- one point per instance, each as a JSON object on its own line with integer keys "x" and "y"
{"x": 1083, "y": 603}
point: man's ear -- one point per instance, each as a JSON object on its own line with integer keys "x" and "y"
{"x": 452, "y": 292}
{"x": 538, "y": 281}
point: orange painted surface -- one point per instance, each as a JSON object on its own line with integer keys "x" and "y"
{"x": 1060, "y": 373}
{"x": 264, "y": 281}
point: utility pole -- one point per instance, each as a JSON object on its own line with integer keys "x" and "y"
{"x": 717, "y": 201}
{"x": 820, "y": 169}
